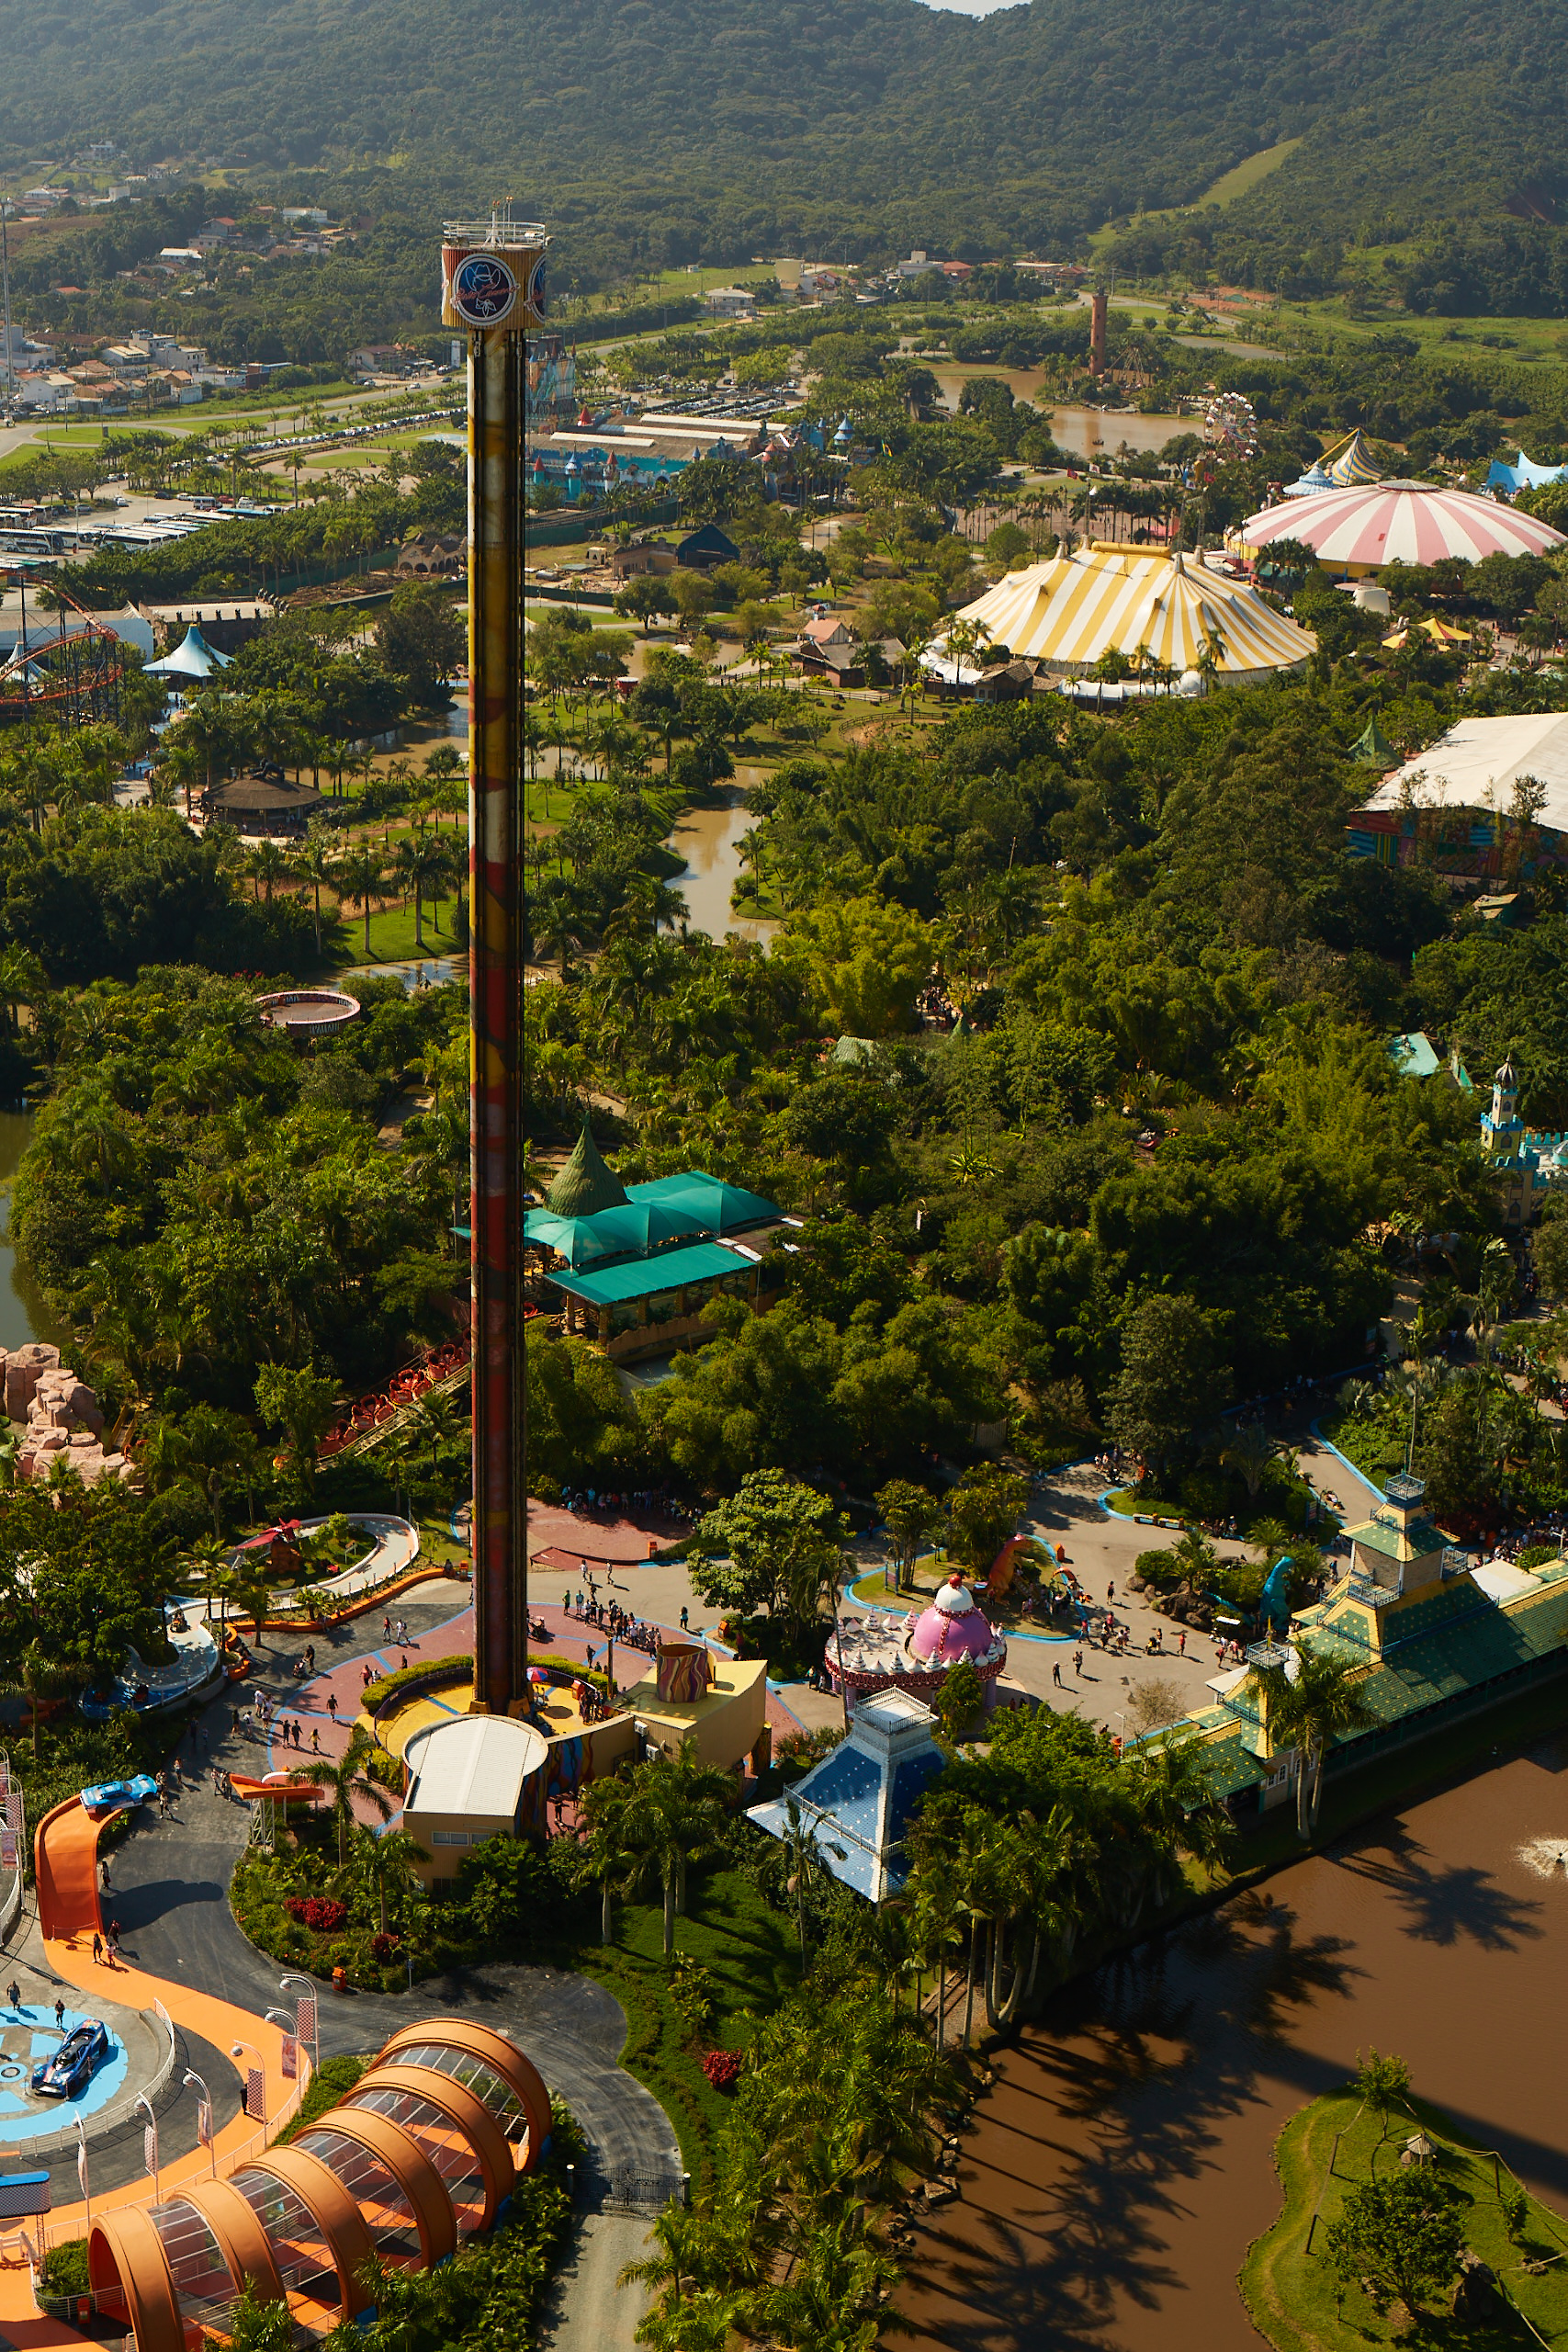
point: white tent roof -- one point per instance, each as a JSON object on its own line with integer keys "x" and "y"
{"x": 1477, "y": 763}
{"x": 192, "y": 658}
{"x": 1104, "y": 596}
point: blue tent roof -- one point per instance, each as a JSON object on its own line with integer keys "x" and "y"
{"x": 1525, "y": 474}
{"x": 857, "y": 1804}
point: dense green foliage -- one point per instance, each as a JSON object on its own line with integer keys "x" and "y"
{"x": 208, "y": 1202}
{"x": 775, "y": 129}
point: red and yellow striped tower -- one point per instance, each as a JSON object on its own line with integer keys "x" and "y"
{"x": 493, "y": 289}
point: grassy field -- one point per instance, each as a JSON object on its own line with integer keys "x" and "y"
{"x": 1295, "y": 2300}
{"x": 752, "y": 1963}
{"x": 1239, "y": 181}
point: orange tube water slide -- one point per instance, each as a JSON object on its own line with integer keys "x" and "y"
{"x": 65, "y": 1864}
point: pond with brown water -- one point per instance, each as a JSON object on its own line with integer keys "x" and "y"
{"x": 1117, "y": 2173}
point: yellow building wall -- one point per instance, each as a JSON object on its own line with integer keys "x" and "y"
{"x": 723, "y": 1727}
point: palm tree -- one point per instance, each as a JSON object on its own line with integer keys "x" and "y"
{"x": 605, "y": 1858}
{"x": 804, "y": 1847}
{"x": 419, "y": 863}
{"x": 347, "y": 1779}
{"x": 267, "y": 864}
{"x": 362, "y": 875}
{"x": 384, "y": 1864}
{"x": 22, "y": 981}
{"x": 676, "y": 2237}
{"x": 1308, "y": 1710}
{"x": 434, "y": 1418}
{"x": 1250, "y": 1450}
{"x": 316, "y": 864}
{"x": 675, "y": 1810}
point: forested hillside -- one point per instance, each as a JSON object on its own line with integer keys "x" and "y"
{"x": 668, "y": 129}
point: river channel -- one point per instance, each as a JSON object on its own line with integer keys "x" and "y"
{"x": 709, "y": 840}
{"x": 1086, "y": 432}
{"x": 23, "y": 1315}
{"x": 1122, "y": 2165}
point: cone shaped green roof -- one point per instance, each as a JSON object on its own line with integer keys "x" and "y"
{"x": 585, "y": 1185}
{"x": 1374, "y": 751}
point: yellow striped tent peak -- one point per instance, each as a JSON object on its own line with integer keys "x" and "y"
{"x": 1071, "y": 611}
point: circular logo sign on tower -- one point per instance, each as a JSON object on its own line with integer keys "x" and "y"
{"x": 484, "y": 289}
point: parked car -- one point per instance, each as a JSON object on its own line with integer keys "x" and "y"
{"x": 74, "y": 2064}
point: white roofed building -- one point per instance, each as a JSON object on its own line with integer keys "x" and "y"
{"x": 1454, "y": 805}
{"x": 466, "y": 1781}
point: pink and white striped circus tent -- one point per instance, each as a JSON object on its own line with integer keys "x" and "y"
{"x": 1356, "y": 529}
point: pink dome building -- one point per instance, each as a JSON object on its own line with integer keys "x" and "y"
{"x": 880, "y": 1655}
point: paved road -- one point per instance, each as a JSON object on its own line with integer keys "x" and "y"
{"x": 171, "y": 1897}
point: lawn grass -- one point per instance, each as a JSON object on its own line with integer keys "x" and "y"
{"x": 1292, "y": 2296}
{"x": 753, "y": 1962}
{"x": 392, "y": 937}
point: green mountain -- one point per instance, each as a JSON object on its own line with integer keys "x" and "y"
{"x": 664, "y": 129}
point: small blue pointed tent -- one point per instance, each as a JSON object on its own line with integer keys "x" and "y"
{"x": 192, "y": 658}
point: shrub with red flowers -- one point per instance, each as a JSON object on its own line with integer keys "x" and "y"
{"x": 383, "y": 1949}
{"x": 722, "y": 2068}
{"x": 318, "y": 1912}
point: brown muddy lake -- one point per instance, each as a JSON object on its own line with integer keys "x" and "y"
{"x": 1118, "y": 2170}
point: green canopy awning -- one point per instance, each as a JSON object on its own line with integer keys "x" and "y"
{"x": 705, "y": 1262}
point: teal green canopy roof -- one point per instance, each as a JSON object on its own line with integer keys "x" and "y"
{"x": 714, "y": 1207}
{"x": 670, "y": 1270}
{"x": 632, "y": 1231}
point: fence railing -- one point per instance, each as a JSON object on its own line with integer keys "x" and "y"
{"x": 54, "y": 2230}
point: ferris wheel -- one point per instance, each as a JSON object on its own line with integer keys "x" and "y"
{"x": 1231, "y": 424}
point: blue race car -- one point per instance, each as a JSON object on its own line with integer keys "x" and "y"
{"x": 107, "y": 1796}
{"x": 74, "y": 2063}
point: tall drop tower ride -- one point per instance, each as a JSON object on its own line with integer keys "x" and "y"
{"x": 493, "y": 289}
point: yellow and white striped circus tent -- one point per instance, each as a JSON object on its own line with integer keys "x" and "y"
{"x": 1105, "y": 596}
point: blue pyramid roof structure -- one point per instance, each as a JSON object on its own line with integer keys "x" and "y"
{"x": 192, "y": 658}
{"x": 857, "y": 1804}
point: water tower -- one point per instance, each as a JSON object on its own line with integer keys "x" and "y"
{"x": 493, "y": 289}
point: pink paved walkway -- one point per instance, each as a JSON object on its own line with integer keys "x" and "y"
{"x": 600, "y": 1536}
{"x": 568, "y": 1637}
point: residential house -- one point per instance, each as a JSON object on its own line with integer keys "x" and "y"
{"x": 384, "y": 359}
{"x": 1005, "y": 681}
{"x": 830, "y": 649}
{"x": 49, "y": 394}
{"x": 731, "y": 302}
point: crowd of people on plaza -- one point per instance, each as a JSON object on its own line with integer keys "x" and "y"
{"x": 649, "y": 1502}
{"x": 611, "y": 1619}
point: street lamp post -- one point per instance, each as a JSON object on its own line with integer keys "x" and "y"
{"x": 237, "y": 2049}
{"x": 287, "y": 1985}
{"x": 145, "y": 2105}
{"x": 82, "y": 2171}
{"x": 192, "y": 2076}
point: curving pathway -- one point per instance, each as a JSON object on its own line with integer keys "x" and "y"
{"x": 180, "y": 1945}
